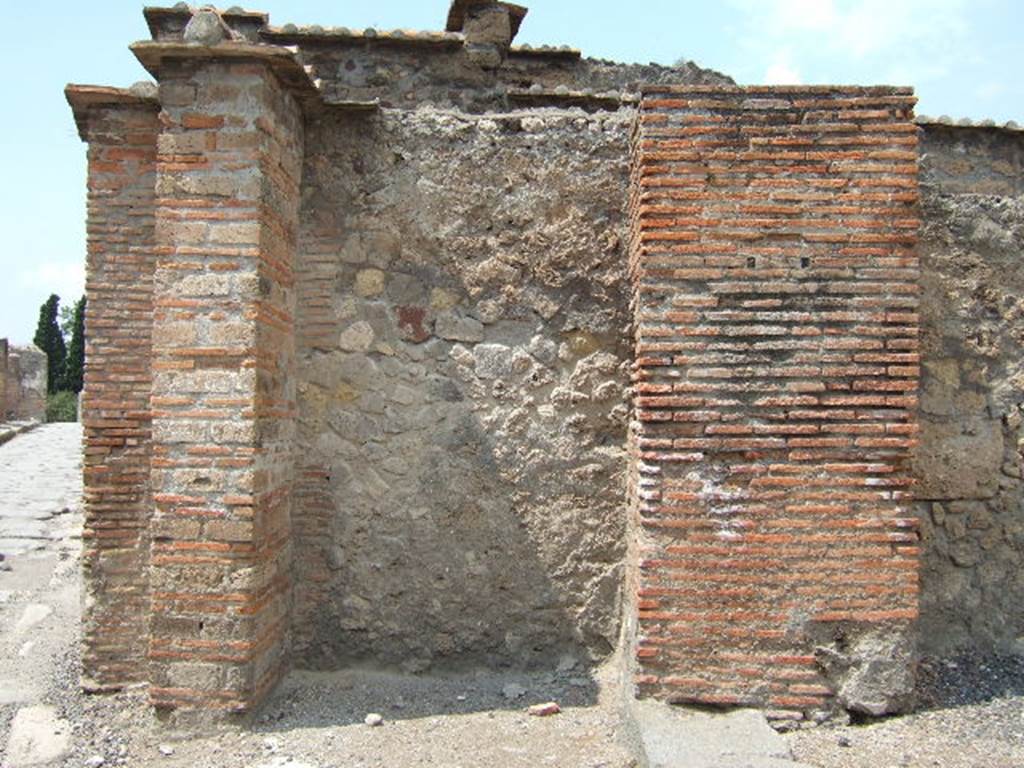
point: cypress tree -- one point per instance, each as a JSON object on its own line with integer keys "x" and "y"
{"x": 50, "y": 340}
{"x": 74, "y": 365}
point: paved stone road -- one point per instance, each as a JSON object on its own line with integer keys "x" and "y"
{"x": 40, "y": 528}
{"x": 40, "y": 479}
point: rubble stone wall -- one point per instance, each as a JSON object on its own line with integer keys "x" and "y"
{"x": 968, "y": 467}
{"x": 405, "y": 72}
{"x": 462, "y": 373}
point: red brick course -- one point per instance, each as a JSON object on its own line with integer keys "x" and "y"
{"x": 121, "y": 131}
{"x": 775, "y": 302}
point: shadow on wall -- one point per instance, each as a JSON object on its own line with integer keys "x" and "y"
{"x": 463, "y": 365}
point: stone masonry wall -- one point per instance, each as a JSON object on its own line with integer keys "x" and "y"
{"x": 403, "y": 72}
{"x": 462, "y": 369}
{"x": 775, "y": 285}
{"x": 22, "y": 382}
{"x": 969, "y": 464}
{"x": 359, "y": 366}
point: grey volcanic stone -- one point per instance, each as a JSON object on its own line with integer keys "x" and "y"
{"x": 873, "y": 676}
{"x": 206, "y": 28}
{"x": 145, "y": 88}
{"x": 455, "y": 327}
{"x": 677, "y": 737}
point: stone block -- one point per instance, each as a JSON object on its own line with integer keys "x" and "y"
{"x": 958, "y": 459}
{"x": 455, "y": 327}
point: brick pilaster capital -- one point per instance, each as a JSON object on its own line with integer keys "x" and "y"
{"x": 85, "y": 100}
{"x": 281, "y": 60}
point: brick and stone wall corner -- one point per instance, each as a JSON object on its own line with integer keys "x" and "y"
{"x": 229, "y": 165}
{"x": 775, "y": 397}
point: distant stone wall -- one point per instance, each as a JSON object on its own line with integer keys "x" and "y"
{"x": 969, "y": 464}
{"x": 22, "y": 382}
{"x": 4, "y": 351}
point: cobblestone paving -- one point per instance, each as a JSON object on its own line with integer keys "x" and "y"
{"x": 40, "y": 479}
{"x": 40, "y": 529}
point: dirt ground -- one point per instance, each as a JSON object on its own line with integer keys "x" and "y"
{"x": 316, "y": 720}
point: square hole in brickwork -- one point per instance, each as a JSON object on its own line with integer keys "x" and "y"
{"x": 751, "y": 262}
{"x": 805, "y": 262}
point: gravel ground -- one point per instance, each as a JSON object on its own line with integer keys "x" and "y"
{"x": 989, "y": 735}
{"x": 316, "y": 720}
{"x": 971, "y": 715}
{"x": 974, "y": 716}
{"x": 970, "y": 678}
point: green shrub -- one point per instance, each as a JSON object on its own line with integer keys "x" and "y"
{"x": 62, "y": 406}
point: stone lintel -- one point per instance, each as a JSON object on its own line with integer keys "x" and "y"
{"x": 85, "y": 98}
{"x": 545, "y": 52}
{"x": 282, "y": 61}
{"x": 586, "y": 100}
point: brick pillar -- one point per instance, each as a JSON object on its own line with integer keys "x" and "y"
{"x": 229, "y": 167}
{"x": 120, "y": 129}
{"x": 776, "y": 289}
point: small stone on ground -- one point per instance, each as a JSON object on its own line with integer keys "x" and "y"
{"x": 544, "y": 710}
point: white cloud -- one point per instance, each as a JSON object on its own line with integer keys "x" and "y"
{"x": 66, "y": 279}
{"x": 860, "y": 27}
{"x": 991, "y": 91}
{"x": 851, "y": 36}
{"x": 957, "y": 54}
{"x": 802, "y": 14}
{"x": 781, "y": 71}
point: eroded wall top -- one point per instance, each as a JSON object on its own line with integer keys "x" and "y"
{"x": 472, "y": 64}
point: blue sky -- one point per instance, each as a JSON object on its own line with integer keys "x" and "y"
{"x": 963, "y": 56}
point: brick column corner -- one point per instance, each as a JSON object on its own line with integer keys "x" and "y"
{"x": 775, "y": 396}
{"x": 229, "y": 166}
{"x": 120, "y": 127}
